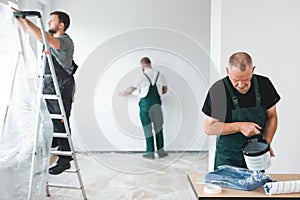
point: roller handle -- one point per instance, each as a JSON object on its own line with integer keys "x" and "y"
{"x": 24, "y": 14}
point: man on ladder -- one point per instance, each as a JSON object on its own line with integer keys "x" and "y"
{"x": 62, "y": 50}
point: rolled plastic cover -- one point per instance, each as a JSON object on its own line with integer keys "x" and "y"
{"x": 19, "y": 86}
{"x": 212, "y": 189}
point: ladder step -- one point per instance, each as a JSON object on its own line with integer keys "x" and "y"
{"x": 47, "y": 75}
{"x": 62, "y": 153}
{"x": 60, "y": 135}
{"x": 64, "y": 186}
{"x": 71, "y": 171}
{"x": 56, "y": 116}
{"x": 50, "y": 96}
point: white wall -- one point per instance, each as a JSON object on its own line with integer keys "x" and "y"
{"x": 110, "y": 38}
{"x": 269, "y": 30}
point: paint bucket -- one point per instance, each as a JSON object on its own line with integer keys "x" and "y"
{"x": 257, "y": 154}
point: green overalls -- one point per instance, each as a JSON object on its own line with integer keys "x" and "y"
{"x": 150, "y": 112}
{"x": 229, "y": 147}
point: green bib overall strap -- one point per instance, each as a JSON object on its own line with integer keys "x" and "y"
{"x": 150, "y": 80}
{"x": 234, "y": 97}
{"x": 228, "y": 149}
{"x": 152, "y": 96}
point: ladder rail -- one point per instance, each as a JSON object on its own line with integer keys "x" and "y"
{"x": 53, "y": 74}
{"x": 10, "y": 94}
{"x": 37, "y": 127}
{"x": 13, "y": 79}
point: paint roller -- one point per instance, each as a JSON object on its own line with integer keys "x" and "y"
{"x": 282, "y": 187}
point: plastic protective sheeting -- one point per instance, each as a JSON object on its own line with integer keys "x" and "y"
{"x": 237, "y": 178}
{"x": 20, "y": 116}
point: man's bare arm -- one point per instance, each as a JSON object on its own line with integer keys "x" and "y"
{"x": 35, "y": 32}
{"x": 214, "y": 126}
{"x": 128, "y": 91}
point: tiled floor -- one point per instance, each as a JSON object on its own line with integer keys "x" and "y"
{"x": 114, "y": 176}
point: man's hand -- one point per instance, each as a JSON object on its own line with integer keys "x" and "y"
{"x": 272, "y": 152}
{"x": 249, "y": 129}
{"x": 122, "y": 93}
{"x": 126, "y": 92}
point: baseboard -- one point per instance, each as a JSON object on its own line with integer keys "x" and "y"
{"x": 126, "y": 152}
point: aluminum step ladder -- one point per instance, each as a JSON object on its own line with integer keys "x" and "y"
{"x": 61, "y": 116}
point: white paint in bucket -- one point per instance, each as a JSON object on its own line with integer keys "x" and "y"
{"x": 257, "y": 154}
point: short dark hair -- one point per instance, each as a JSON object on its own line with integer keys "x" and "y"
{"x": 63, "y": 18}
{"x": 240, "y": 60}
{"x": 146, "y": 61}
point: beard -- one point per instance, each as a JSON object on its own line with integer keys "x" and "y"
{"x": 51, "y": 31}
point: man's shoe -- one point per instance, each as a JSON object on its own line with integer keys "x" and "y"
{"x": 162, "y": 153}
{"x": 58, "y": 169}
{"x": 149, "y": 155}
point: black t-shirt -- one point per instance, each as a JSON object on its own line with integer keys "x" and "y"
{"x": 218, "y": 103}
